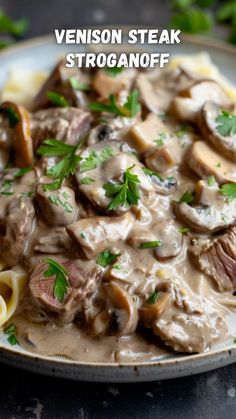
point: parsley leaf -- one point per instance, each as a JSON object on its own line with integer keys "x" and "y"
{"x": 95, "y": 158}
{"x": 114, "y": 71}
{"x": 57, "y": 100}
{"x": 16, "y": 28}
{"x": 161, "y": 139}
{"x": 77, "y": 85}
{"x": 124, "y": 193}
{"x": 107, "y": 258}
{"x": 22, "y": 172}
{"x": 129, "y": 109}
{"x": 87, "y": 180}
{"x": 6, "y": 188}
{"x": 211, "y": 180}
{"x": 153, "y": 298}
{"x": 192, "y": 20}
{"x": 184, "y": 230}
{"x": 61, "y": 284}
{"x": 12, "y": 116}
{"x": 229, "y": 191}
{"x": 11, "y": 332}
{"x": 149, "y": 172}
{"x": 226, "y": 123}
{"x": 56, "y": 200}
{"x": 66, "y": 167}
{"x": 187, "y": 197}
{"x": 150, "y": 245}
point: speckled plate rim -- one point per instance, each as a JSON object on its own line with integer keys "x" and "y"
{"x": 166, "y": 368}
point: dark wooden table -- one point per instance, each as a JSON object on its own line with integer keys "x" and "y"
{"x": 26, "y": 395}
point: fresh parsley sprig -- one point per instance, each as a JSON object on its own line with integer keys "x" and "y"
{"x": 229, "y": 191}
{"x": 16, "y": 28}
{"x": 129, "y": 109}
{"x": 114, "y": 71}
{"x": 187, "y": 197}
{"x": 106, "y": 258}
{"x": 78, "y": 85}
{"x": 226, "y": 123}
{"x": 61, "y": 283}
{"x": 66, "y": 167}
{"x": 124, "y": 193}
{"x": 57, "y": 100}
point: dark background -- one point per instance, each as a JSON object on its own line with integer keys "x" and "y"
{"x": 25, "y": 395}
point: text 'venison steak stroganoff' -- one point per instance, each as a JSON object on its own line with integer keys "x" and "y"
{"x": 118, "y": 215}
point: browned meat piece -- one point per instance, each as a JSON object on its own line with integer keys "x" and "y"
{"x": 218, "y": 260}
{"x": 16, "y": 229}
{"x": 181, "y": 321}
{"x": 59, "y": 81}
{"x": 64, "y": 124}
{"x": 83, "y": 284}
{"x": 57, "y": 207}
{"x": 96, "y": 234}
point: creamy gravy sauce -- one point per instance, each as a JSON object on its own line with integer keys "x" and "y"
{"x": 139, "y": 273}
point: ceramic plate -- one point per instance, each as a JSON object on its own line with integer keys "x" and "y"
{"x": 41, "y": 54}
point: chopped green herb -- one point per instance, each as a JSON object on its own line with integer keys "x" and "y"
{"x": 211, "y": 180}
{"x": 150, "y": 172}
{"x": 161, "y": 139}
{"x": 22, "y": 172}
{"x": 151, "y": 245}
{"x": 77, "y": 85}
{"x": 57, "y": 100}
{"x": 184, "y": 230}
{"x": 54, "y": 199}
{"x": 129, "y": 109}
{"x": 229, "y": 191}
{"x": 14, "y": 27}
{"x": 61, "y": 283}
{"x": 234, "y": 340}
{"x": 28, "y": 194}
{"x": 153, "y": 298}
{"x": 11, "y": 332}
{"x": 117, "y": 267}
{"x": 95, "y": 158}
{"x": 66, "y": 167}
{"x": 184, "y": 129}
{"x": 107, "y": 258}
{"x": 218, "y": 164}
{"x": 187, "y": 197}
{"x": 6, "y": 188}
{"x": 12, "y": 116}
{"x": 162, "y": 115}
{"x": 114, "y": 71}
{"x": 87, "y": 181}
{"x": 192, "y": 20}
{"x": 82, "y": 235}
{"x": 226, "y": 123}
{"x": 123, "y": 193}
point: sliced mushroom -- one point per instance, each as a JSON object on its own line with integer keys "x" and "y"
{"x": 100, "y": 133}
{"x": 143, "y": 134}
{"x": 101, "y": 323}
{"x": 106, "y": 84}
{"x": 164, "y": 231}
{"x": 208, "y": 126}
{"x": 59, "y": 81}
{"x": 207, "y": 218}
{"x": 21, "y": 134}
{"x": 164, "y": 185}
{"x": 55, "y": 242}
{"x": 122, "y": 307}
{"x": 187, "y": 104}
{"x": 160, "y": 159}
{"x": 96, "y": 234}
{"x": 204, "y": 161}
